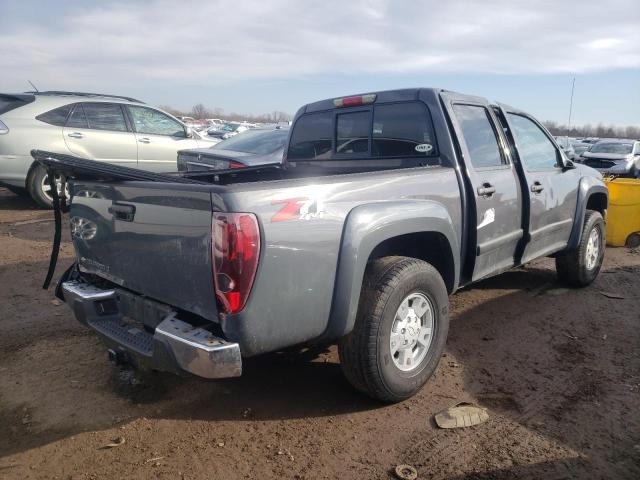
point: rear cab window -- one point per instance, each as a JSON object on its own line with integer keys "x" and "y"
{"x": 401, "y": 131}
{"x": 312, "y": 137}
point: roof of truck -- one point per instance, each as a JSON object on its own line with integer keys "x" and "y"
{"x": 396, "y": 95}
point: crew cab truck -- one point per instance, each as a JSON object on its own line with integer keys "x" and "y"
{"x": 384, "y": 205}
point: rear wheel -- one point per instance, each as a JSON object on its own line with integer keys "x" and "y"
{"x": 40, "y": 189}
{"x": 581, "y": 266}
{"x": 400, "y": 330}
{"x": 633, "y": 240}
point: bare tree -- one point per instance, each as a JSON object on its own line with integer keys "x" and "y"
{"x": 199, "y": 111}
{"x": 587, "y": 130}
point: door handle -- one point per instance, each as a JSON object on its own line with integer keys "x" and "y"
{"x": 75, "y": 135}
{"x": 486, "y": 190}
{"x": 144, "y": 140}
{"x": 537, "y": 187}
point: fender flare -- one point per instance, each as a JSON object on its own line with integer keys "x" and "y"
{"x": 365, "y": 228}
{"x": 588, "y": 186}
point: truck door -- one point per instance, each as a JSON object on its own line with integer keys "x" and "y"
{"x": 551, "y": 186}
{"x": 497, "y": 199}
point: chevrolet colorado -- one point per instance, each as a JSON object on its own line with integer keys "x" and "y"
{"x": 384, "y": 205}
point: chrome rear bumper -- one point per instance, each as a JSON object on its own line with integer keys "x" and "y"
{"x": 174, "y": 346}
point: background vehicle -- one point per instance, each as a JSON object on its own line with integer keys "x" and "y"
{"x": 566, "y": 145}
{"x": 104, "y": 128}
{"x": 359, "y": 246}
{"x": 579, "y": 148}
{"x": 255, "y": 147}
{"x": 614, "y": 157}
{"x": 227, "y": 130}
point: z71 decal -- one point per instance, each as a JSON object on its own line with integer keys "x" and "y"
{"x": 301, "y": 208}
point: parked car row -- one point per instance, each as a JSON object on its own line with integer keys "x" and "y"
{"x": 614, "y": 157}
{"x": 610, "y": 156}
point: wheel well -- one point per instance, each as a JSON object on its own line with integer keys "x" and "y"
{"x": 598, "y": 202}
{"x": 432, "y": 247}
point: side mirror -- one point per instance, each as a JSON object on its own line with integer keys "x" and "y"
{"x": 568, "y": 165}
{"x": 188, "y": 132}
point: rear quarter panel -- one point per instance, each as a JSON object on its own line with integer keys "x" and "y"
{"x": 302, "y": 224}
{"x": 26, "y": 133}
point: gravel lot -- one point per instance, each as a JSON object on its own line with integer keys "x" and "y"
{"x": 558, "y": 369}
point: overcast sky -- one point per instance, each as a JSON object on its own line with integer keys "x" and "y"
{"x": 256, "y": 56}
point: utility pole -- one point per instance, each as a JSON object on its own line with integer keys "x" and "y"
{"x": 573, "y": 86}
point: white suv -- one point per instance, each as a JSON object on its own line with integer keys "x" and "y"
{"x": 105, "y": 128}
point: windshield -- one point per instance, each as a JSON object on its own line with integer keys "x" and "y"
{"x": 259, "y": 142}
{"x": 612, "y": 147}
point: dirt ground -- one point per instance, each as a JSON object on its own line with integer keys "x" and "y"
{"x": 558, "y": 370}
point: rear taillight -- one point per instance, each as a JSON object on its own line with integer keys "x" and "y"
{"x": 235, "y": 246}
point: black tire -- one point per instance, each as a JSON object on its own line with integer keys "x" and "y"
{"x": 35, "y": 184}
{"x": 633, "y": 240}
{"x": 365, "y": 353}
{"x": 572, "y": 267}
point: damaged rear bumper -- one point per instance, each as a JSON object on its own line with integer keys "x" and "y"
{"x": 174, "y": 346}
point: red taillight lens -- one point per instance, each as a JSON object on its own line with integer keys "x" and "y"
{"x": 353, "y": 101}
{"x": 235, "y": 249}
{"x": 234, "y": 164}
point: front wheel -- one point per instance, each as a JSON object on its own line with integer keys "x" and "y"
{"x": 400, "y": 330}
{"x": 581, "y": 266}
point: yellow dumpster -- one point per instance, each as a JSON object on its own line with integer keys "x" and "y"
{"x": 623, "y": 216}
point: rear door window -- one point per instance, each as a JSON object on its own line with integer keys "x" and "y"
{"x": 352, "y": 133}
{"x": 479, "y": 136}
{"x": 311, "y": 137}
{"x": 105, "y": 116}
{"x": 57, "y": 116}
{"x": 402, "y": 130}
{"x": 77, "y": 119}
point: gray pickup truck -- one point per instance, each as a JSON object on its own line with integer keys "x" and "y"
{"x": 384, "y": 205}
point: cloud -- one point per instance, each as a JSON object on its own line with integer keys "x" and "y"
{"x": 218, "y": 42}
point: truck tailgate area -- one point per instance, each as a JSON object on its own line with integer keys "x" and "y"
{"x": 151, "y": 238}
